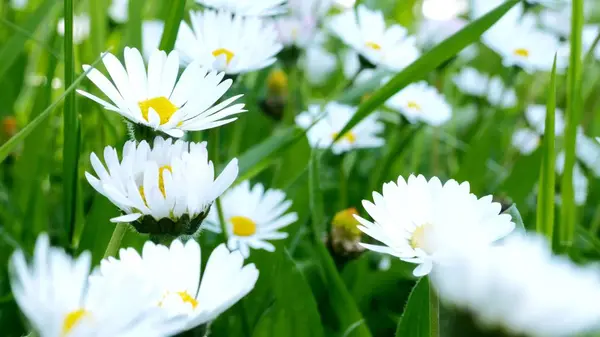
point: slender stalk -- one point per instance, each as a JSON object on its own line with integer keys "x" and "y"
{"x": 434, "y": 313}
{"x": 115, "y": 240}
{"x": 134, "y": 23}
{"x": 292, "y": 99}
{"x": 343, "y": 200}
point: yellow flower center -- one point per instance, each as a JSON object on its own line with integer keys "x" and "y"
{"x": 373, "y": 45}
{"x": 419, "y": 238}
{"x": 345, "y": 220}
{"x": 277, "y": 82}
{"x": 243, "y": 226}
{"x": 72, "y": 319}
{"x": 223, "y": 51}
{"x": 183, "y": 295}
{"x": 521, "y": 52}
{"x": 163, "y": 107}
{"x": 161, "y": 182}
{"x": 349, "y": 136}
{"x": 414, "y": 105}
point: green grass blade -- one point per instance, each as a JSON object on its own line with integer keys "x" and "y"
{"x": 428, "y": 62}
{"x": 174, "y": 18}
{"x": 134, "y": 24}
{"x": 415, "y": 319}
{"x": 98, "y": 25}
{"x": 545, "y": 201}
{"x": 14, "y": 46}
{"x": 567, "y": 214}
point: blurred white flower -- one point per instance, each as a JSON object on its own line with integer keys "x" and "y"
{"x": 536, "y": 117}
{"x": 588, "y": 152}
{"x": 526, "y": 141}
{"x": 119, "y": 10}
{"x": 168, "y": 181}
{"x": 580, "y": 181}
{"x": 81, "y": 28}
{"x": 54, "y": 294}
{"x": 432, "y": 32}
{"x": 299, "y": 27}
{"x": 444, "y": 9}
{"x": 233, "y": 44}
{"x": 590, "y": 33}
{"x": 519, "y": 286}
{"x": 247, "y": 7}
{"x": 365, "y": 31}
{"x": 414, "y": 218}
{"x": 350, "y": 63}
{"x": 420, "y": 102}
{"x": 499, "y": 95}
{"x": 252, "y": 217}
{"x": 152, "y": 31}
{"x": 19, "y": 4}
{"x": 344, "y": 4}
{"x": 471, "y": 82}
{"x": 174, "y": 274}
{"x": 330, "y": 121}
{"x": 318, "y": 65}
{"x": 158, "y": 99}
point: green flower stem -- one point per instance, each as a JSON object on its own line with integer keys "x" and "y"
{"x": 115, "y": 240}
{"x": 434, "y": 312}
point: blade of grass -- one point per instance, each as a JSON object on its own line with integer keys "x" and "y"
{"x": 98, "y": 25}
{"x": 545, "y": 201}
{"x": 415, "y": 318}
{"x": 134, "y": 24}
{"x": 567, "y": 214}
{"x": 428, "y": 62}
{"x": 174, "y": 18}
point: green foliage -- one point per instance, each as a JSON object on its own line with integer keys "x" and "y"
{"x": 415, "y": 320}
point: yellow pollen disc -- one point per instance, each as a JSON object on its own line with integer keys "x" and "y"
{"x": 72, "y": 319}
{"x": 413, "y": 105}
{"x": 243, "y": 226}
{"x": 161, "y": 180}
{"x": 521, "y": 52}
{"x": 277, "y": 82}
{"x": 187, "y": 298}
{"x": 222, "y": 51}
{"x": 349, "y": 136}
{"x": 345, "y": 220}
{"x": 419, "y": 239}
{"x": 163, "y": 107}
{"x": 373, "y": 45}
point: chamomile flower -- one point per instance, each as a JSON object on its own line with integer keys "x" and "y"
{"x": 167, "y": 188}
{"x": 433, "y": 32}
{"x": 152, "y": 31}
{"x": 252, "y": 217}
{"x": 81, "y": 28}
{"x": 230, "y": 43}
{"x": 413, "y": 218}
{"x": 119, "y": 10}
{"x": 299, "y": 27}
{"x": 526, "y": 140}
{"x": 500, "y": 95}
{"x": 588, "y": 152}
{"x": 519, "y": 286}
{"x": 54, "y": 294}
{"x": 329, "y": 123}
{"x": 318, "y": 64}
{"x": 178, "y": 289}
{"x": 536, "y": 117}
{"x": 247, "y": 7}
{"x": 420, "y": 102}
{"x": 365, "y": 31}
{"x": 471, "y": 82}
{"x": 158, "y": 99}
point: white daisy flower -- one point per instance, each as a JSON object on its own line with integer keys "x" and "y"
{"x": 536, "y": 117}
{"x": 119, "y": 10}
{"x": 413, "y": 219}
{"x": 590, "y": 33}
{"x": 299, "y": 27}
{"x": 420, "y": 102}
{"x": 328, "y": 124}
{"x": 471, "y": 82}
{"x": 54, "y": 294}
{"x": 350, "y": 63}
{"x": 588, "y": 152}
{"x": 19, "y": 4}
{"x": 526, "y": 141}
{"x": 152, "y": 31}
{"x": 318, "y": 64}
{"x": 233, "y": 44}
{"x": 247, "y": 7}
{"x": 158, "y": 99}
{"x": 173, "y": 183}
{"x": 499, "y": 95}
{"x": 252, "y": 217}
{"x": 81, "y": 28}
{"x": 520, "y": 287}
{"x": 433, "y": 32}
{"x": 178, "y": 289}
{"x": 365, "y": 31}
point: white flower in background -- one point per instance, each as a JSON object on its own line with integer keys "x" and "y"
{"x": 588, "y": 152}
{"x": 81, "y": 28}
{"x": 420, "y": 102}
{"x": 247, "y": 7}
{"x": 556, "y": 21}
{"x": 590, "y": 33}
{"x": 526, "y": 141}
{"x": 471, "y": 82}
{"x": 160, "y": 100}
{"x": 344, "y": 4}
{"x": 252, "y": 217}
{"x": 580, "y": 181}
{"x": 413, "y": 219}
{"x": 54, "y": 294}
{"x": 433, "y": 32}
{"x": 19, "y": 4}
{"x": 233, "y": 44}
{"x": 499, "y": 95}
{"x": 178, "y": 289}
{"x": 536, "y": 117}
{"x": 318, "y": 64}
{"x": 328, "y": 122}
{"x": 365, "y": 31}
{"x": 299, "y": 27}
{"x": 169, "y": 180}
{"x": 520, "y": 287}
{"x": 480, "y": 8}
{"x": 152, "y": 31}
{"x": 444, "y": 9}
{"x": 350, "y": 63}
{"x": 119, "y": 10}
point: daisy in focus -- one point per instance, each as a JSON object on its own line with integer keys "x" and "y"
{"x": 324, "y": 127}
{"x": 412, "y": 218}
{"x": 54, "y": 294}
{"x": 519, "y": 286}
{"x": 178, "y": 290}
{"x": 299, "y": 27}
{"x": 81, "y": 28}
{"x": 172, "y": 183}
{"x": 365, "y": 31}
{"x": 247, "y": 7}
{"x": 159, "y": 99}
{"x": 230, "y": 43}
{"x": 420, "y": 102}
{"x": 252, "y": 217}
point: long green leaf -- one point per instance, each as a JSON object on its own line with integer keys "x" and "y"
{"x": 98, "y": 25}
{"x": 428, "y": 62}
{"x": 174, "y": 18}
{"x": 415, "y": 319}
{"x": 14, "y": 46}
{"x": 545, "y": 201}
{"x": 134, "y": 23}
{"x": 567, "y": 214}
